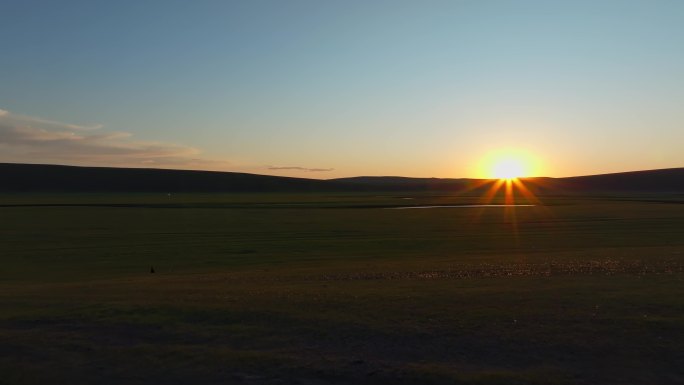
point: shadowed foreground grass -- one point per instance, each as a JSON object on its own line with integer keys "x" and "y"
{"x": 581, "y": 291}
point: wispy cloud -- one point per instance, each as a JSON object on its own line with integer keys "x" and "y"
{"x": 297, "y": 168}
{"x": 45, "y": 123}
{"x": 36, "y": 140}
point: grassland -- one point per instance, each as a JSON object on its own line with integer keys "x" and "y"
{"x": 340, "y": 289}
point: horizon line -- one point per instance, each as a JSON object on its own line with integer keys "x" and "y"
{"x": 333, "y": 179}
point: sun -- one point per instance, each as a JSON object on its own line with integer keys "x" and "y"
{"x": 509, "y": 164}
{"x": 508, "y": 168}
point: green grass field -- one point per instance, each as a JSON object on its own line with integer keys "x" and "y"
{"x": 340, "y": 289}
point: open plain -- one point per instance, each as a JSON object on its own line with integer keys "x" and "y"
{"x": 340, "y": 289}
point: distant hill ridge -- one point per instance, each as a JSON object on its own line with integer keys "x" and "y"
{"x": 16, "y": 177}
{"x": 56, "y": 178}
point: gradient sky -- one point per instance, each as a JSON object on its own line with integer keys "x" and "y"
{"x": 326, "y": 89}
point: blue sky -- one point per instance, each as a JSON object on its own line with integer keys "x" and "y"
{"x": 326, "y": 89}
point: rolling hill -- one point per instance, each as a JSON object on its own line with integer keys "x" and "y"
{"x": 56, "y": 178}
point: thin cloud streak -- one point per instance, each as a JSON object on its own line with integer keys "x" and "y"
{"x": 30, "y": 139}
{"x": 297, "y": 168}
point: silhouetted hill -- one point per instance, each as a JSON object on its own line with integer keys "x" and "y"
{"x": 663, "y": 180}
{"x": 404, "y": 183}
{"x": 54, "y": 178}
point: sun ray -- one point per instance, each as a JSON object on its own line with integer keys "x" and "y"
{"x": 525, "y": 192}
{"x": 509, "y": 194}
{"x": 488, "y": 196}
{"x": 510, "y": 188}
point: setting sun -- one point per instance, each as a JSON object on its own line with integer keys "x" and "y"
{"x": 508, "y": 168}
{"x": 509, "y": 164}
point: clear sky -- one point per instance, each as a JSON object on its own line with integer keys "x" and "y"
{"x": 326, "y": 89}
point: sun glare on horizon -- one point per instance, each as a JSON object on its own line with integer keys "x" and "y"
{"x": 508, "y": 169}
{"x": 503, "y": 172}
{"x": 509, "y": 165}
